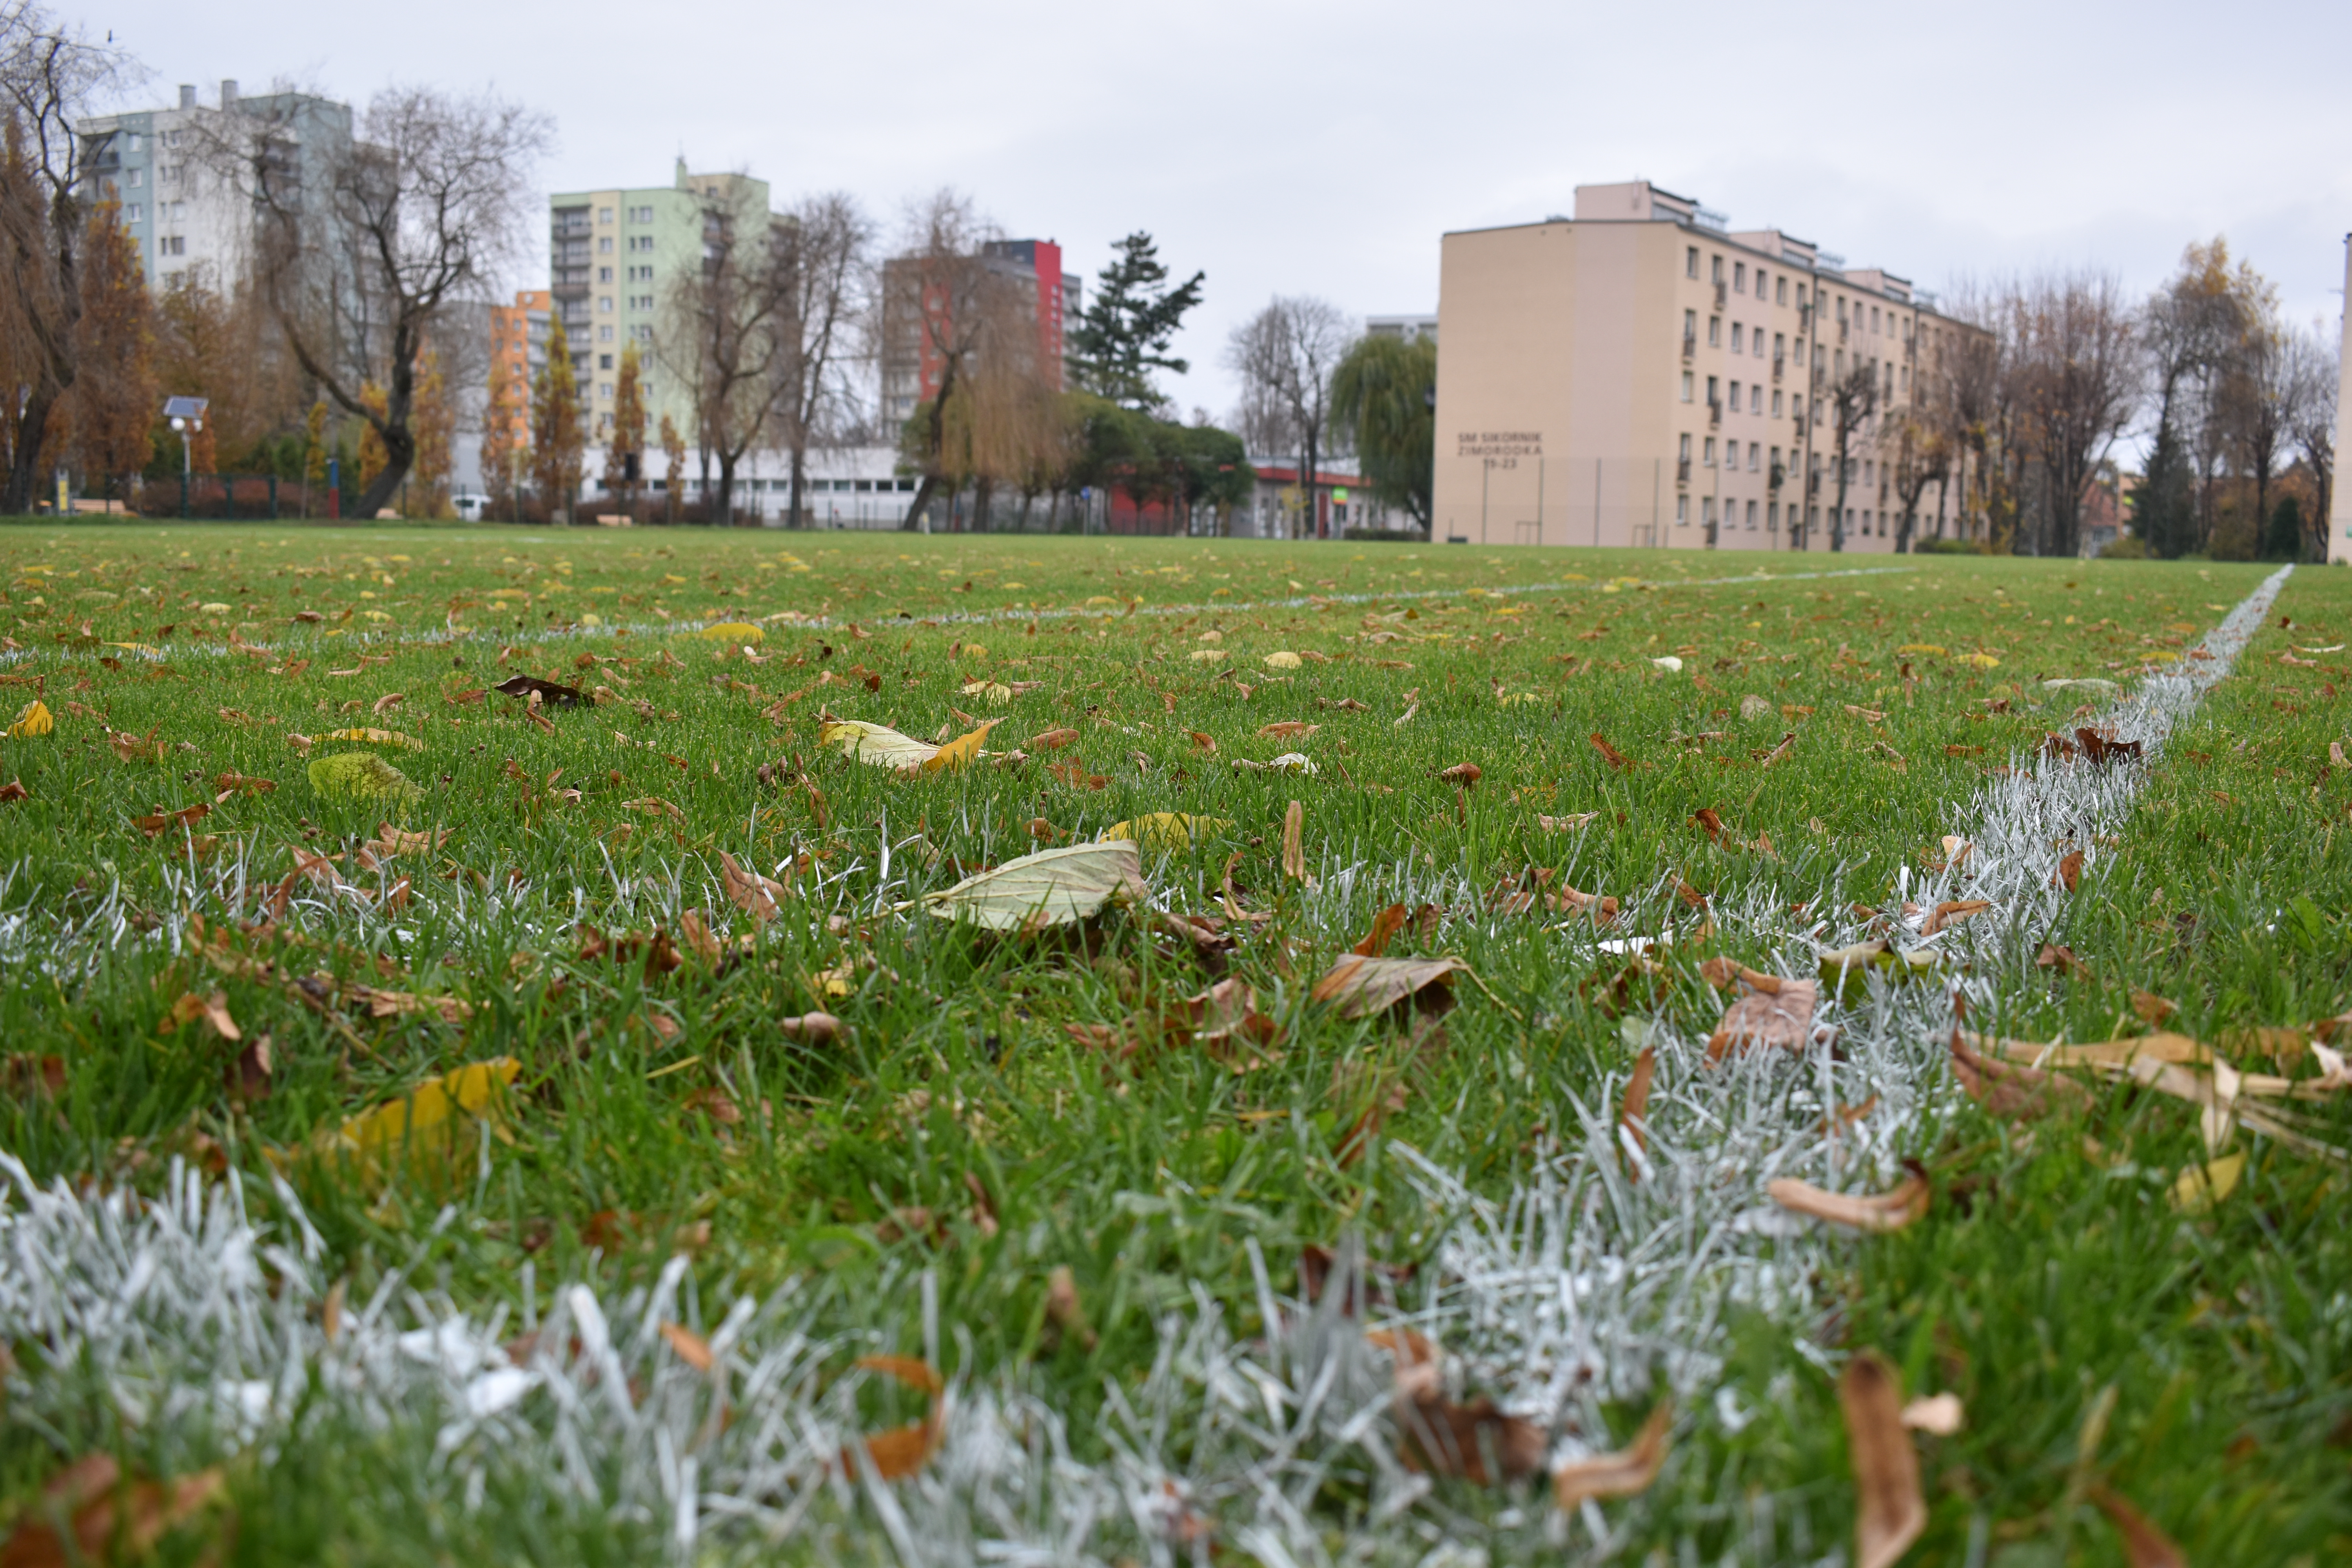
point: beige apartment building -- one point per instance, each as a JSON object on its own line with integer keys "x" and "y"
{"x": 1640, "y": 374}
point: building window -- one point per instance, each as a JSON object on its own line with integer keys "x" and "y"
{"x": 604, "y": 275}
{"x": 1906, "y": 378}
{"x": 1755, "y": 399}
{"x": 604, "y": 388}
{"x": 1736, "y": 339}
{"x": 603, "y": 335}
{"x": 1772, "y": 517}
{"x": 604, "y": 361}
{"x": 604, "y": 303}
{"x": 603, "y": 214}
{"x": 1755, "y": 457}
{"x": 1712, "y": 393}
{"x": 172, "y": 245}
{"x": 134, "y": 213}
{"x": 1682, "y": 503}
{"x": 1706, "y": 511}
{"x": 1780, "y": 292}
{"x": 1690, "y": 326}
{"x": 1751, "y": 516}
{"x": 1775, "y": 406}
{"x": 1715, "y": 265}
{"x": 1686, "y": 386}
{"x": 604, "y": 244}
{"x": 1734, "y": 397}
{"x": 1707, "y": 453}
{"x": 1780, "y": 344}
{"x": 138, "y": 177}
{"x": 1682, "y": 452}
{"x": 1715, "y": 332}
{"x": 1759, "y": 285}
{"x": 1740, "y": 277}
{"x": 1690, "y": 266}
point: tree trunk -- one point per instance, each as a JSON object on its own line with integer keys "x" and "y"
{"x": 1837, "y": 513}
{"x": 24, "y": 471}
{"x": 723, "y": 515}
{"x": 798, "y": 517}
{"x": 1314, "y": 511}
{"x": 982, "y": 492}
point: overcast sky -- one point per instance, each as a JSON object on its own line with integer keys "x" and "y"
{"x": 1312, "y": 147}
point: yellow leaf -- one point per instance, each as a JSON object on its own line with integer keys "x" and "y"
{"x": 1981, "y": 661}
{"x": 1282, "y": 660}
{"x": 34, "y": 718}
{"x": 1164, "y": 829}
{"x": 2202, "y": 1187}
{"x": 732, "y": 631}
{"x": 376, "y": 738}
{"x": 995, "y": 693}
{"x": 1922, "y": 648}
{"x": 959, "y": 752}
{"x": 423, "y": 1123}
{"x": 1203, "y": 654}
{"x": 875, "y": 743}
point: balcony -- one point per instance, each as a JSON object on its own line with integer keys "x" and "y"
{"x": 1721, "y": 293}
{"x": 1780, "y": 477}
{"x": 1714, "y": 412}
{"x": 1690, "y": 344}
{"x": 1682, "y": 470}
{"x": 1812, "y": 484}
{"x": 1842, "y": 326}
{"x": 1779, "y": 365}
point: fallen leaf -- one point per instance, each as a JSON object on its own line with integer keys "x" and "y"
{"x": 1463, "y": 776}
{"x": 2054, "y": 956}
{"x": 1204, "y": 741}
{"x": 1225, "y": 1019}
{"x": 212, "y": 1009}
{"x": 733, "y": 632}
{"x": 813, "y": 1028}
{"x": 1889, "y": 1512}
{"x": 1610, "y": 753}
{"x": 1565, "y": 824}
{"x": 1628, "y": 1472}
{"x": 1174, "y": 830}
{"x": 422, "y": 1123}
{"x": 2145, "y": 1546}
{"x": 105, "y": 1514}
{"x": 15, "y": 790}
{"x": 875, "y": 743}
{"x": 1288, "y": 762}
{"x": 1440, "y": 1437}
{"x": 1633, "y": 1117}
{"x": 1282, "y": 659}
{"x": 689, "y": 1347}
{"x": 2011, "y": 1092}
{"x": 2201, "y": 1188}
{"x": 959, "y": 752}
{"x": 1385, "y": 925}
{"x": 546, "y": 692}
{"x": 1055, "y": 739}
{"x": 2153, "y": 1009}
{"x": 903, "y": 1451}
{"x": 390, "y": 841}
{"x": 1282, "y": 730}
{"x": 1294, "y": 854}
{"x": 360, "y": 776}
{"x": 1880, "y": 1211}
{"x": 33, "y": 719}
{"x": 1052, "y": 886}
{"x": 1779, "y": 752}
{"x": 1063, "y": 1310}
{"x": 1940, "y": 1415}
{"x": 235, "y": 783}
{"x": 1364, "y": 985}
{"x": 372, "y": 737}
{"x": 749, "y": 890}
{"x": 163, "y": 821}
{"x": 1779, "y": 1017}
{"x": 1952, "y": 910}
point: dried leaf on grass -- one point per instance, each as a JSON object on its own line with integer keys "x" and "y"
{"x": 1362, "y": 985}
{"x": 1568, "y": 823}
{"x": 1224, "y": 1021}
{"x": 422, "y": 1123}
{"x": 2202, "y": 1187}
{"x": 1053, "y": 740}
{"x": 538, "y": 692}
{"x": 2057, "y": 956}
{"x": 2070, "y": 870}
{"x": 368, "y": 736}
{"x": 32, "y": 720}
{"x": 360, "y": 776}
{"x": 1624, "y": 1473}
{"x": 1781, "y": 1017}
{"x": 1294, "y": 854}
{"x": 903, "y": 1451}
{"x": 1634, "y": 1119}
{"x": 1065, "y": 1310}
{"x": 1385, "y": 925}
{"x": 688, "y": 1346}
{"x": 749, "y": 892}
{"x": 1943, "y": 915}
{"x": 2145, "y": 1546}
{"x": 105, "y": 1514}
{"x": 1173, "y": 830}
{"x": 1610, "y": 755}
{"x": 959, "y": 753}
{"x": 2008, "y": 1091}
{"x": 1876, "y": 1212}
{"x": 15, "y": 790}
{"x": 1475, "y": 1441}
{"x": 212, "y": 1009}
{"x": 1889, "y": 1512}
{"x": 875, "y": 743}
{"x": 1052, "y": 886}
{"x": 161, "y": 822}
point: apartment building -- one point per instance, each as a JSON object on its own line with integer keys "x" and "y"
{"x": 2339, "y": 527}
{"x": 1643, "y": 374}
{"x": 188, "y": 217}
{"x": 917, "y": 306}
{"x": 614, "y": 259}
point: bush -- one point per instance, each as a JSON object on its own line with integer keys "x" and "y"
{"x": 1947, "y": 547}
{"x": 2125, "y": 547}
{"x": 1385, "y": 535}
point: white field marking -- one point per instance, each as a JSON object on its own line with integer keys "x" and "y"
{"x": 198, "y": 1319}
{"x": 1585, "y": 1287}
{"x": 989, "y": 618}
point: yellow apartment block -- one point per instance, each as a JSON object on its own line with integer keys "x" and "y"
{"x": 1641, "y": 375}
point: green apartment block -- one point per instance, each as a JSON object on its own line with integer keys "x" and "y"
{"x": 614, "y": 259}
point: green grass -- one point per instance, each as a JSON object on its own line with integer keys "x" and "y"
{"x": 665, "y": 1109}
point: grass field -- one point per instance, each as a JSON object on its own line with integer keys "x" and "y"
{"x": 1033, "y": 1162}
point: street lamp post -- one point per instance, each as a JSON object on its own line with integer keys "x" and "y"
{"x": 187, "y": 416}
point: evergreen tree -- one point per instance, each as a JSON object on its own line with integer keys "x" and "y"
{"x": 557, "y": 440}
{"x": 1123, "y": 336}
{"x": 505, "y": 446}
{"x": 2164, "y": 510}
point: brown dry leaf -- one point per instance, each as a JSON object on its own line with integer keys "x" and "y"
{"x": 812, "y": 1028}
{"x": 1294, "y": 854}
{"x": 248, "y": 1075}
{"x": 2153, "y": 1009}
{"x": 699, "y": 939}
{"x": 1363, "y": 986}
{"x": 2070, "y": 870}
{"x": 1709, "y": 822}
{"x": 163, "y": 821}
{"x": 1957, "y": 850}
{"x": 15, "y": 790}
{"x": 1225, "y": 1021}
{"x": 2145, "y": 1546}
{"x": 2160, "y": 1046}
{"x": 1951, "y": 909}
{"x": 228, "y": 783}
{"x": 904, "y": 1450}
{"x": 1723, "y": 974}
{"x": 691, "y": 1347}
{"x": 1602, "y": 907}
{"x": 1204, "y": 741}
{"x": 1616, "y": 758}
{"x": 1622, "y": 1474}
{"x": 1780, "y": 751}
{"x": 1889, "y": 1512}
{"x": 1063, "y": 1308}
{"x": 1053, "y": 740}
{"x": 1475, "y": 1441}
{"x": 2054, "y": 956}
{"x": 105, "y": 1514}
{"x": 1880, "y": 1211}
{"x": 1633, "y": 1117}
{"x": 984, "y": 1207}
{"x": 2009, "y": 1090}
{"x": 1565, "y": 824}
{"x": 212, "y": 1009}
{"x": 1461, "y": 775}
{"x": 1782, "y": 1016}
{"x": 1385, "y": 925}
{"x": 1283, "y": 729}
{"x": 390, "y": 841}
{"x": 749, "y": 890}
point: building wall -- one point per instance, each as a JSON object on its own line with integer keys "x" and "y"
{"x": 2339, "y": 529}
{"x": 1638, "y": 380}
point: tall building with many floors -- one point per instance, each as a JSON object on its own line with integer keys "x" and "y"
{"x": 1643, "y": 374}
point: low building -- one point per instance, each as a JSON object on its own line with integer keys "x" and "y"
{"x": 1343, "y": 501}
{"x": 1641, "y": 375}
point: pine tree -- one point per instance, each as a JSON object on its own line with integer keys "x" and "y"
{"x": 2164, "y": 507}
{"x": 557, "y": 439}
{"x": 629, "y": 432}
{"x": 1123, "y": 336}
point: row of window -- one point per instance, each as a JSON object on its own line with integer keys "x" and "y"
{"x": 1765, "y": 282}
{"x": 1794, "y": 403}
{"x": 1740, "y": 336}
{"x": 1730, "y": 454}
{"x": 1876, "y": 319}
{"x": 636, "y": 215}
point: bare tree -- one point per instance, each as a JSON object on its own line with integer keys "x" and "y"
{"x": 728, "y": 333}
{"x": 49, "y": 76}
{"x": 2316, "y": 371}
{"x": 361, "y": 246}
{"x": 1852, "y": 402}
{"x": 1286, "y": 356}
{"x": 2258, "y": 406}
{"x": 1917, "y": 453}
{"x": 2077, "y": 356}
{"x": 829, "y": 242}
